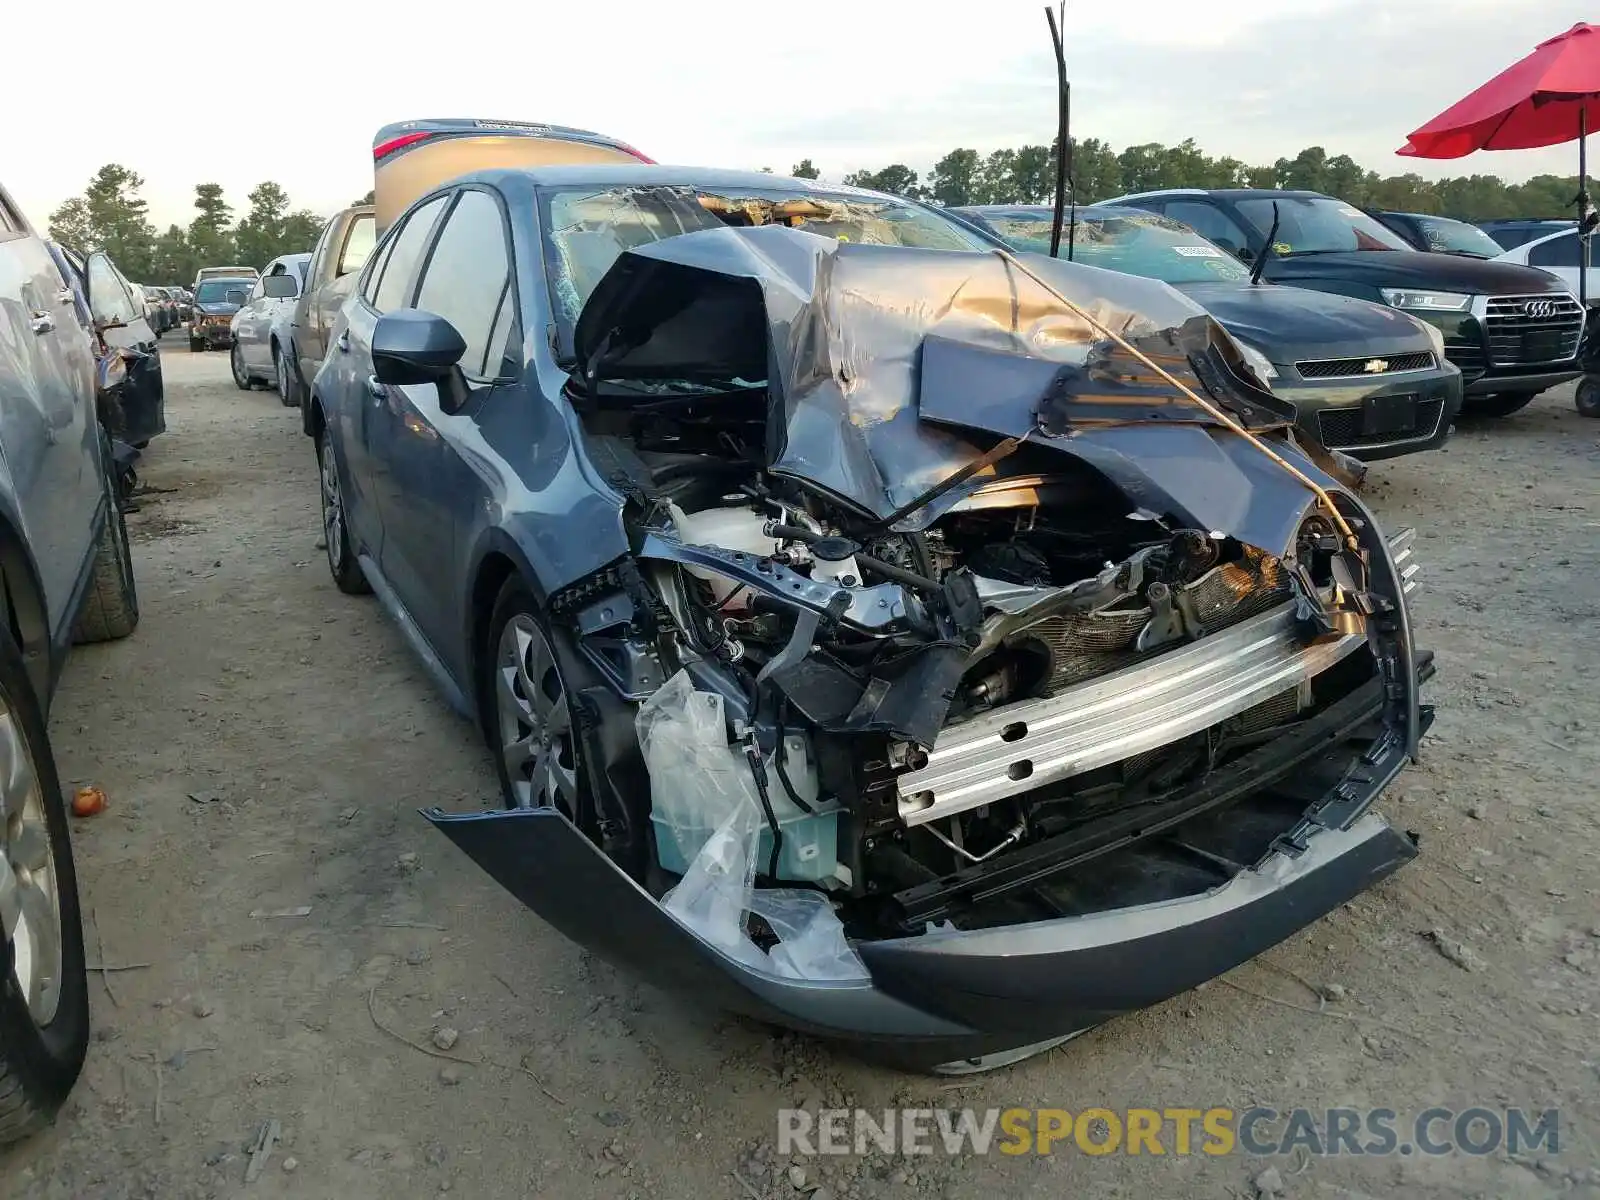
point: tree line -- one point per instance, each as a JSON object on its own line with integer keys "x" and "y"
{"x": 112, "y": 216}
{"x": 1026, "y": 175}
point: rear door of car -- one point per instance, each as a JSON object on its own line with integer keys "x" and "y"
{"x": 48, "y": 431}
{"x": 249, "y": 325}
{"x": 354, "y": 399}
{"x": 430, "y": 492}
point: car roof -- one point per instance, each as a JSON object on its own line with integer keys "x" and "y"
{"x": 1497, "y": 221}
{"x": 643, "y": 175}
{"x": 1545, "y": 237}
{"x": 1045, "y": 210}
{"x": 1221, "y": 193}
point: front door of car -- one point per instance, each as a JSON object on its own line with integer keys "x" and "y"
{"x": 356, "y": 402}
{"x": 432, "y": 487}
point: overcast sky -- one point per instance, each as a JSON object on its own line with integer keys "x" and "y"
{"x": 298, "y": 87}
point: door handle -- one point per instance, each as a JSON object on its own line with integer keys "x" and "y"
{"x": 42, "y": 322}
{"x": 375, "y": 389}
{"x": 343, "y": 344}
{"x": 65, "y": 296}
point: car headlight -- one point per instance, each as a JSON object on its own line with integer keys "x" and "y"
{"x": 1435, "y": 337}
{"x": 1423, "y": 301}
{"x": 1259, "y": 363}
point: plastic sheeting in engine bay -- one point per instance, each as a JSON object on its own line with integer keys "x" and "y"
{"x": 884, "y": 361}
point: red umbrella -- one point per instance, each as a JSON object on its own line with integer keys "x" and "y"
{"x": 1551, "y": 96}
{"x": 1544, "y": 100}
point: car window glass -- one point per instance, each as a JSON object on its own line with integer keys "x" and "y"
{"x": 369, "y": 288}
{"x": 466, "y": 276}
{"x": 503, "y": 354}
{"x": 1557, "y": 252}
{"x": 401, "y": 267}
{"x": 357, "y": 246}
{"x": 258, "y": 291}
{"x": 1209, "y": 222}
{"x": 108, "y": 298}
{"x": 1317, "y": 225}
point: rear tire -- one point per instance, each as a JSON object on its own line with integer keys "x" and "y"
{"x": 111, "y": 605}
{"x": 1501, "y": 404}
{"x": 42, "y": 1044}
{"x": 342, "y": 563}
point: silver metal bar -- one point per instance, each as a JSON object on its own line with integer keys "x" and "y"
{"x": 1021, "y": 747}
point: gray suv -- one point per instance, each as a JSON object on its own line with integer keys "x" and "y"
{"x": 66, "y": 576}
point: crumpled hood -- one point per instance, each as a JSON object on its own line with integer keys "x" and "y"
{"x": 1289, "y": 323}
{"x": 892, "y": 368}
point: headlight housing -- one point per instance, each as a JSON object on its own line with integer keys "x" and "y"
{"x": 1421, "y": 300}
{"x": 1435, "y": 336}
{"x": 1259, "y": 363}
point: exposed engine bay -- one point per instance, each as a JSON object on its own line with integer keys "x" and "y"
{"x": 947, "y": 687}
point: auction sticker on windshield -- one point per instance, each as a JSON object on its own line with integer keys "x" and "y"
{"x": 1199, "y": 252}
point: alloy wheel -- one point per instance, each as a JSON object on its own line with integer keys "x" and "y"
{"x": 236, "y": 361}
{"x": 536, "y": 734}
{"x": 30, "y": 905}
{"x": 332, "y": 505}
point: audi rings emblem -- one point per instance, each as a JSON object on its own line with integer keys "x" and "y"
{"x": 1539, "y": 308}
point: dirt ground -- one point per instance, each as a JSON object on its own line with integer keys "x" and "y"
{"x": 266, "y": 742}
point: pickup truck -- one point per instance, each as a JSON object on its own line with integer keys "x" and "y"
{"x": 340, "y": 253}
{"x": 66, "y": 576}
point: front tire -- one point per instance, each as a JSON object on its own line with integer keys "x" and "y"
{"x": 1587, "y": 400}
{"x": 44, "y": 991}
{"x": 1501, "y": 404}
{"x": 530, "y": 727}
{"x": 342, "y": 564}
{"x": 111, "y": 606}
{"x": 241, "y": 373}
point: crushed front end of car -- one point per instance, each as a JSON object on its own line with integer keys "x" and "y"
{"x": 990, "y": 660}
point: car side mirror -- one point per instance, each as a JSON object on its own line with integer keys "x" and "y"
{"x": 412, "y": 346}
{"x": 279, "y": 287}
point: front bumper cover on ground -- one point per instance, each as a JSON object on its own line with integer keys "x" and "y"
{"x": 946, "y": 996}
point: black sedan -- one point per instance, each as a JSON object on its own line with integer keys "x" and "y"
{"x": 875, "y": 631}
{"x": 1364, "y": 378}
{"x": 1513, "y": 330}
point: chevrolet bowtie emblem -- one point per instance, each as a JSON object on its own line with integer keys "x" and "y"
{"x": 1376, "y": 366}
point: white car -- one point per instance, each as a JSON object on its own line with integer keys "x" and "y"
{"x": 1561, "y": 254}
{"x": 261, "y": 326}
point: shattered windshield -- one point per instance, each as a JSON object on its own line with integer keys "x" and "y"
{"x": 589, "y": 228}
{"x": 1445, "y": 236}
{"x": 1135, "y": 244}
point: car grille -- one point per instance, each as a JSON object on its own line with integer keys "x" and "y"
{"x": 1466, "y": 354}
{"x": 1340, "y": 428}
{"x": 1527, "y": 330}
{"x": 1342, "y": 368}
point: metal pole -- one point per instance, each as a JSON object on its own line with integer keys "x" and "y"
{"x": 1583, "y": 203}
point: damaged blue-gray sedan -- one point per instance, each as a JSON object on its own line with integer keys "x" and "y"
{"x": 877, "y": 633}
